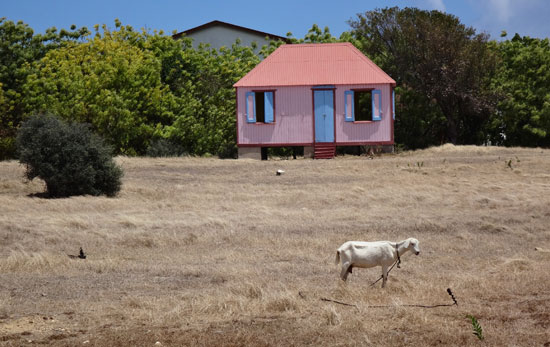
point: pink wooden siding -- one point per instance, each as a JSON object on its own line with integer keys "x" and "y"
{"x": 294, "y": 118}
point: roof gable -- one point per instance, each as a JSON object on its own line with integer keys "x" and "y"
{"x": 217, "y": 23}
{"x": 315, "y": 64}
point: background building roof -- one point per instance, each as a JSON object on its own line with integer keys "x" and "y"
{"x": 217, "y": 23}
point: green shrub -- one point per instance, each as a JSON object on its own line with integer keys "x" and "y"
{"x": 165, "y": 148}
{"x": 68, "y": 157}
{"x": 7, "y": 147}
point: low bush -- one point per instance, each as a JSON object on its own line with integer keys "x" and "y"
{"x": 68, "y": 157}
{"x": 165, "y": 148}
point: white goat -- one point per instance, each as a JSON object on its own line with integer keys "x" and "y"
{"x": 371, "y": 254}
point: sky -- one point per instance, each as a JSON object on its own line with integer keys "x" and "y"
{"x": 526, "y": 17}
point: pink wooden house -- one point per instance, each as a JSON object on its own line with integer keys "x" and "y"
{"x": 318, "y": 96}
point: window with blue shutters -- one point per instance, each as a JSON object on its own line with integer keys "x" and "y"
{"x": 363, "y": 105}
{"x": 260, "y": 107}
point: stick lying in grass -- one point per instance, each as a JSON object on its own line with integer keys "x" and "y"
{"x": 337, "y": 302}
{"x": 404, "y": 305}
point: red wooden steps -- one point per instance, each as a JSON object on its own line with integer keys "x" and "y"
{"x": 324, "y": 150}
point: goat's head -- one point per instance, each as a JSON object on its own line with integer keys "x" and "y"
{"x": 413, "y": 245}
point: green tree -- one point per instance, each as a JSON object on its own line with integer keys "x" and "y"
{"x": 314, "y": 35}
{"x": 211, "y": 73}
{"x": 523, "y": 84}
{"x": 419, "y": 122}
{"x": 432, "y": 54}
{"x": 108, "y": 82}
{"x": 137, "y": 88}
{"x": 20, "y": 47}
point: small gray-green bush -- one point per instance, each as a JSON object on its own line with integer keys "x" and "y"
{"x": 68, "y": 157}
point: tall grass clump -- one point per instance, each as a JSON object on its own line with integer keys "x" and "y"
{"x": 68, "y": 157}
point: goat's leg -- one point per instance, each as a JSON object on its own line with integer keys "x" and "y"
{"x": 346, "y": 269}
{"x": 384, "y": 275}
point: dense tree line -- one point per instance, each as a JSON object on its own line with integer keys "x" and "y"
{"x": 455, "y": 85}
{"x": 522, "y": 85}
{"x": 19, "y": 49}
{"x": 134, "y": 88}
{"x": 143, "y": 91}
{"x": 442, "y": 69}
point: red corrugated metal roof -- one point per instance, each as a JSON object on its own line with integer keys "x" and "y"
{"x": 315, "y": 64}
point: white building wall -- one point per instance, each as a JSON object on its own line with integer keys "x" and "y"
{"x": 224, "y": 36}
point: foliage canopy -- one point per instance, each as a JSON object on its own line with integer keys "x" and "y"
{"x": 436, "y": 61}
{"x": 20, "y": 47}
{"x": 523, "y": 85}
{"x": 135, "y": 87}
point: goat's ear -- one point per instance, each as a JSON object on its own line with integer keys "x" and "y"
{"x": 407, "y": 243}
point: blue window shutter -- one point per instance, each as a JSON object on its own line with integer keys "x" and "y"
{"x": 250, "y": 102}
{"x": 393, "y": 101}
{"x": 268, "y": 98}
{"x": 376, "y": 104}
{"x": 348, "y": 108}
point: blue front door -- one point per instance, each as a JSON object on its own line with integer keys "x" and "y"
{"x": 324, "y": 115}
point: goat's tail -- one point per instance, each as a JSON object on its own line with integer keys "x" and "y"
{"x": 337, "y": 260}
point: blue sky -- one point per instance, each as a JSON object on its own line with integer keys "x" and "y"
{"x": 527, "y": 17}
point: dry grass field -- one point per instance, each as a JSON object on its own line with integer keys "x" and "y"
{"x": 208, "y": 252}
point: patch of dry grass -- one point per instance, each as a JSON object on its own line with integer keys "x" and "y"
{"x": 224, "y": 252}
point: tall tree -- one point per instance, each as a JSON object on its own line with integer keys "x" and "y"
{"x": 432, "y": 54}
{"x": 108, "y": 82}
{"x": 314, "y": 35}
{"x": 20, "y": 47}
{"x": 209, "y": 75}
{"x": 523, "y": 83}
